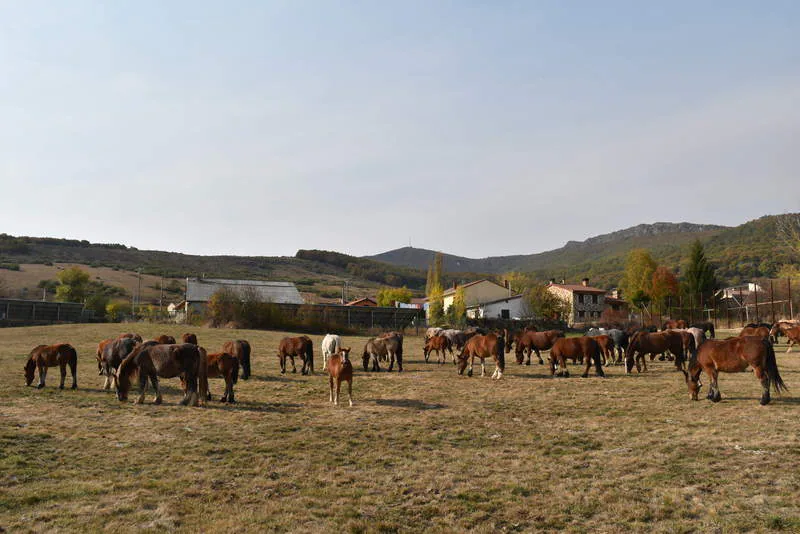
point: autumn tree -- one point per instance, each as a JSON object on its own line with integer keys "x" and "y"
{"x": 664, "y": 284}
{"x": 541, "y": 302}
{"x": 457, "y": 312}
{"x": 73, "y": 285}
{"x": 638, "y": 277}
{"x": 387, "y": 296}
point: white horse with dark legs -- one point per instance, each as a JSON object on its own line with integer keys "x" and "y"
{"x": 432, "y": 331}
{"x": 331, "y": 344}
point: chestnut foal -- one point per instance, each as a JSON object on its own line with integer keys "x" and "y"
{"x": 340, "y": 370}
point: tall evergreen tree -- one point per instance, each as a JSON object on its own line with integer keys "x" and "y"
{"x": 699, "y": 277}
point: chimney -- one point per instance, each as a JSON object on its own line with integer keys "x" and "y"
{"x": 585, "y": 282}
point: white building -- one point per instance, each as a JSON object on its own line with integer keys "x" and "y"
{"x": 513, "y": 307}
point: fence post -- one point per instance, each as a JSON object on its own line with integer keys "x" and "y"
{"x": 755, "y": 291}
{"x": 33, "y": 312}
{"x": 727, "y": 314}
{"x": 772, "y": 302}
{"x": 791, "y": 306}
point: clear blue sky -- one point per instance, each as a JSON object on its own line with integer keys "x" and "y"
{"x": 474, "y": 128}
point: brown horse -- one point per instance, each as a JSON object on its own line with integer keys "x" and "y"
{"x": 219, "y": 365}
{"x": 239, "y": 349}
{"x": 383, "y": 348}
{"x": 301, "y": 346}
{"x": 689, "y": 343}
{"x": 165, "y": 340}
{"x": 606, "y": 345}
{"x": 734, "y": 355}
{"x": 165, "y": 361}
{"x": 528, "y": 341}
{"x": 112, "y": 356}
{"x": 482, "y": 347}
{"x": 44, "y": 356}
{"x": 758, "y": 331}
{"x": 672, "y": 324}
{"x": 340, "y": 370}
{"x": 791, "y": 331}
{"x": 189, "y": 338}
{"x": 653, "y": 343}
{"x": 439, "y": 343}
{"x": 100, "y": 348}
{"x": 583, "y": 348}
{"x": 136, "y": 337}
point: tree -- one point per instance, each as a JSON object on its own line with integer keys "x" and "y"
{"x": 457, "y": 312}
{"x": 387, "y": 296}
{"x": 664, "y": 284}
{"x": 789, "y": 231}
{"x": 73, "y": 285}
{"x": 541, "y": 302}
{"x": 97, "y": 302}
{"x": 223, "y": 306}
{"x": 435, "y": 306}
{"x": 699, "y": 277}
{"x": 116, "y": 311}
{"x": 639, "y": 269}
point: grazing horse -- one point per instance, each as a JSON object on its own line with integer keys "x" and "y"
{"x": 457, "y": 339}
{"x": 383, "y": 348}
{"x": 484, "y": 346}
{"x": 619, "y": 337}
{"x": 189, "y": 338}
{"x": 606, "y": 345}
{"x": 219, "y": 365}
{"x": 698, "y": 334}
{"x": 734, "y": 355}
{"x": 301, "y": 346}
{"x": 705, "y": 326}
{"x": 653, "y": 343}
{"x": 688, "y": 340}
{"x": 166, "y": 340}
{"x": 755, "y": 330}
{"x": 528, "y": 341}
{"x": 44, "y": 356}
{"x": 583, "y": 348}
{"x": 340, "y": 369}
{"x": 432, "y": 331}
{"x": 136, "y": 337}
{"x": 792, "y": 333}
{"x": 331, "y": 344}
{"x": 100, "y": 348}
{"x": 674, "y": 324}
{"x": 440, "y": 344}
{"x": 112, "y": 356}
{"x": 165, "y": 361}
{"x": 239, "y": 349}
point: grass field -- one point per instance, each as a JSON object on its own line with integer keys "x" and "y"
{"x": 425, "y": 450}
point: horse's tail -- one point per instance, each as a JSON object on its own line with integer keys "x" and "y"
{"x": 245, "y": 363}
{"x": 235, "y": 369}
{"x": 500, "y": 352}
{"x": 711, "y": 329}
{"x": 310, "y": 355}
{"x": 771, "y": 365}
{"x": 72, "y": 355}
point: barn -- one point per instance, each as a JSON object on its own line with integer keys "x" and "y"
{"x": 200, "y": 290}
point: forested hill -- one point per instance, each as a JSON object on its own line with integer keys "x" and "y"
{"x": 750, "y": 250}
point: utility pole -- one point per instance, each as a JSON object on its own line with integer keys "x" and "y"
{"x": 161, "y": 297}
{"x": 139, "y": 290}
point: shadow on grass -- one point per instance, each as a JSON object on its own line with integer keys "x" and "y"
{"x": 755, "y": 399}
{"x": 409, "y": 403}
{"x": 269, "y": 378}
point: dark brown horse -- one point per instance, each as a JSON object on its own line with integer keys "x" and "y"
{"x": 220, "y": 365}
{"x": 100, "y": 348}
{"x": 340, "y": 369}
{"x": 482, "y": 347}
{"x": 671, "y": 324}
{"x": 44, "y": 356}
{"x": 189, "y": 338}
{"x": 166, "y": 340}
{"x": 239, "y": 349}
{"x": 165, "y": 361}
{"x": 136, "y": 337}
{"x": 383, "y": 348}
{"x": 653, "y": 343}
{"x": 439, "y": 343}
{"x": 585, "y": 349}
{"x": 528, "y": 341}
{"x": 112, "y": 356}
{"x": 706, "y": 327}
{"x": 606, "y": 345}
{"x": 758, "y": 331}
{"x": 734, "y": 355}
{"x": 301, "y": 346}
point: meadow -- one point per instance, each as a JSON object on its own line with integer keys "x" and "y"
{"x": 423, "y": 450}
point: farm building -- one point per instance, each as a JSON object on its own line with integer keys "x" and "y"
{"x": 200, "y": 290}
{"x": 513, "y": 307}
{"x": 475, "y": 293}
{"x": 584, "y": 302}
{"x": 366, "y": 301}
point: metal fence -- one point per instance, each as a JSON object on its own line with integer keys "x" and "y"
{"x": 356, "y": 316}
{"x": 20, "y": 311}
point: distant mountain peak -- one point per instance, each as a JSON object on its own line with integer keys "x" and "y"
{"x": 642, "y": 230}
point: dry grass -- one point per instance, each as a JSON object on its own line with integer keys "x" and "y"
{"x": 422, "y": 450}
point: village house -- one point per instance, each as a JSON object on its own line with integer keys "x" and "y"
{"x": 584, "y": 303}
{"x": 366, "y": 301}
{"x": 475, "y": 293}
{"x": 512, "y": 307}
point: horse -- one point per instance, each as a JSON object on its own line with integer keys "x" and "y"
{"x": 792, "y": 333}
{"x": 698, "y": 334}
{"x": 112, "y": 356}
{"x": 484, "y": 346}
{"x": 440, "y": 344}
{"x": 239, "y": 349}
{"x": 530, "y": 341}
{"x": 165, "y": 361}
{"x": 457, "y": 338}
{"x": 383, "y": 348}
{"x": 688, "y": 340}
{"x": 755, "y": 330}
{"x": 474, "y": 331}
{"x": 331, "y": 344}
{"x": 340, "y": 370}
{"x": 583, "y": 348}
{"x": 672, "y": 324}
{"x": 705, "y": 326}
{"x": 734, "y": 355}
{"x": 100, "y": 348}
{"x": 44, "y": 356}
{"x": 432, "y": 331}
{"x": 189, "y": 338}
{"x": 606, "y": 345}
{"x": 166, "y": 340}
{"x": 219, "y": 365}
{"x": 301, "y": 346}
{"x": 653, "y": 343}
{"x": 136, "y": 337}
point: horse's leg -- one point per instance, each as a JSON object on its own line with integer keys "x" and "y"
{"x": 63, "y": 367}
{"x": 538, "y": 355}
{"x": 764, "y": 379}
{"x": 791, "y": 343}
{"x": 483, "y": 367}
{"x": 338, "y": 389}
{"x": 713, "y": 388}
{"x": 283, "y": 363}
{"x": 471, "y": 363}
{"x": 350, "y": 391}
{"x": 587, "y": 361}
{"x": 154, "y": 381}
{"x": 552, "y": 365}
{"x": 294, "y": 367}
{"x": 142, "y": 386}
{"x": 73, "y": 368}
{"x": 562, "y": 361}
{"x": 390, "y": 356}
{"x": 42, "y": 375}
{"x": 330, "y": 386}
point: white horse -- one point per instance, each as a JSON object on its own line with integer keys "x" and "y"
{"x": 331, "y": 344}
{"x": 432, "y": 331}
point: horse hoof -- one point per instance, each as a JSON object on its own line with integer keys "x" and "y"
{"x": 541, "y": 362}
{"x": 469, "y": 373}
{"x": 764, "y": 401}
{"x": 157, "y": 401}
{"x": 39, "y": 386}
{"x": 566, "y": 374}
{"x": 74, "y": 386}
{"x": 61, "y": 387}
{"x": 585, "y": 375}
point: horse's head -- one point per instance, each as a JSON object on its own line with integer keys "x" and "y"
{"x": 30, "y": 368}
{"x": 693, "y": 382}
{"x": 462, "y": 362}
{"x": 345, "y": 352}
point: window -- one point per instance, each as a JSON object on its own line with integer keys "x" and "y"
{"x": 580, "y": 299}
{"x": 581, "y": 314}
{"x": 505, "y": 314}
{"x": 594, "y": 299}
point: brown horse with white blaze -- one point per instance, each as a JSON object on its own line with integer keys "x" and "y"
{"x": 44, "y": 356}
{"x": 585, "y": 349}
{"x": 734, "y": 355}
{"x": 166, "y": 361}
{"x": 301, "y": 346}
{"x": 340, "y": 369}
{"x": 482, "y": 347}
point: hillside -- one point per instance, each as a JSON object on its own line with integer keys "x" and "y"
{"x": 742, "y": 252}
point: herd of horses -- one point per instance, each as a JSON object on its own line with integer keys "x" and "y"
{"x": 128, "y": 358}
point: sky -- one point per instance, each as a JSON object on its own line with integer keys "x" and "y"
{"x": 474, "y": 128}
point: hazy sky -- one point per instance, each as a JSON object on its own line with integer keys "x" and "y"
{"x": 476, "y": 128}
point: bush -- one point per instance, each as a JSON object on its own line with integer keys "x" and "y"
{"x": 9, "y": 266}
